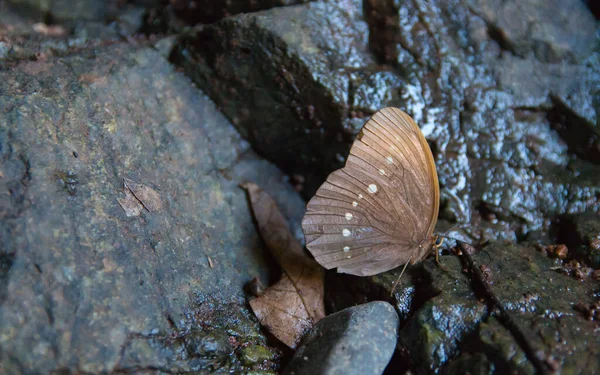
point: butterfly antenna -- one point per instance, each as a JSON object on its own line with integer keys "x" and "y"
{"x": 398, "y": 279}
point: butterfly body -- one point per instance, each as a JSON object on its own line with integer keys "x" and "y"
{"x": 423, "y": 249}
{"x": 380, "y": 210}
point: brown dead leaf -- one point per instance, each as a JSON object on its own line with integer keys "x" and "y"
{"x": 281, "y": 310}
{"x": 147, "y": 196}
{"x": 295, "y": 303}
{"x": 130, "y": 204}
{"x": 137, "y": 198}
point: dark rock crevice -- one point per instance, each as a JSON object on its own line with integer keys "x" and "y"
{"x": 382, "y": 17}
{"x": 480, "y": 283}
{"x": 276, "y": 89}
{"x": 6, "y": 262}
{"x": 582, "y": 137}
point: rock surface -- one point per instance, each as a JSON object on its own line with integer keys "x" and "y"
{"x": 506, "y": 93}
{"x": 447, "y": 323}
{"x": 357, "y": 340}
{"x": 512, "y": 129}
{"x": 84, "y": 287}
{"x": 581, "y": 233}
{"x": 207, "y": 11}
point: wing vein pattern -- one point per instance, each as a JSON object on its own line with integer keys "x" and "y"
{"x": 371, "y": 215}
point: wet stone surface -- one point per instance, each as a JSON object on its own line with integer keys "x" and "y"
{"x": 292, "y": 66}
{"x": 357, "y": 340}
{"x": 506, "y": 93}
{"x": 207, "y": 11}
{"x": 85, "y": 288}
{"x": 27, "y": 37}
{"x": 509, "y": 127}
{"x": 581, "y": 233}
{"x": 447, "y": 324}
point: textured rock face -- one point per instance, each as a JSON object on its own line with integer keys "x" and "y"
{"x": 83, "y": 286}
{"x": 511, "y": 119}
{"x": 448, "y": 323}
{"x": 206, "y": 11}
{"x": 284, "y": 76}
{"x": 506, "y": 92}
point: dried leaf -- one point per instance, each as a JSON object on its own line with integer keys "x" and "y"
{"x": 137, "y": 198}
{"x": 147, "y": 196}
{"x": 281, "y": 311}
{"x": 130, "y": 204}
{"x": 291, "y": 306}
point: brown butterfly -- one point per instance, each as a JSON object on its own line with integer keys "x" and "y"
{"x": 380, "y": 210}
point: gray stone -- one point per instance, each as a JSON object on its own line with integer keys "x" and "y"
{"x": 83, "y": 287}
{"x": 289, "y": 79}
{"x": 357, "y": 340}
{"x": 552, "y": 31}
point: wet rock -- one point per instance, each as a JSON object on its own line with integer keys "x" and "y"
{"x": 207, "y": 11}
{"x": 541, "y": 301}
{"x": 513, "y": 130}
{"x": 438, "y": 309}
{"x": 492, "y": 127}
{"x": 302, "y": 66}
{"x": 552, "y": 31}
{"x": 85, "y": 288}
{"x": 256, "y": 354}
{"x": 476, "y": 364}
{"x": 64, "y": 11}
{"x": 502, "y": 349}
{"x": 567, "y": 344}
{"x": 581, "y": 233}
{"x": 437, "y": 328}
{"x": 24, "y": 39}
{"x": 357, "y": 340}
{"x": 447, "y": 323}
{"x": 212, "y": 337}
{"x": 57, "y": 11}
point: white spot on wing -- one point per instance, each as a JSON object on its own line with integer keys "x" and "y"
{"x": 346, "y": 233}
{"x": 390, "y": 160}
{"x": 348, "y": 216}
{"x": 355, "y": 203}
{"x": 382, "y": 172}
{"x": 360, "y": 196}
{"x": 373, "y": 188}
{"x": 346, "y": 249}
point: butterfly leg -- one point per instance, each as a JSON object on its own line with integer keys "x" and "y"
{"x": 398, "y": 279}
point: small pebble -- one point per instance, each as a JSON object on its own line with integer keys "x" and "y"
{"x": 359, "y": 340}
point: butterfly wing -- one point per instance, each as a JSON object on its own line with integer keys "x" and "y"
{"x": 371, "y": 215}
